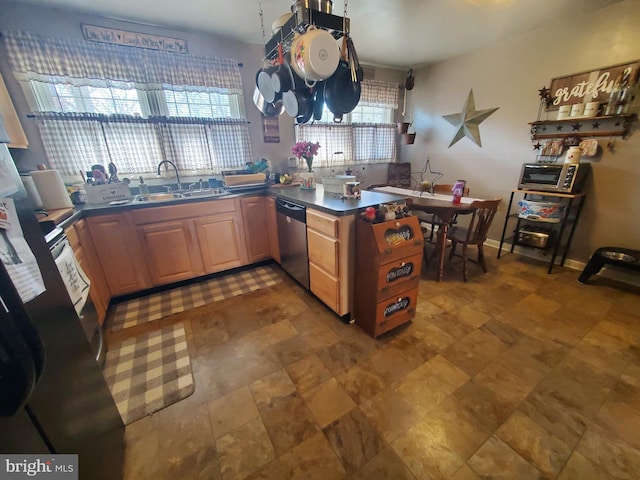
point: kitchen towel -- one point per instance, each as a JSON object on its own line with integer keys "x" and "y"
{"x": 74, "y": 278}
{"x": 51, "y": 188}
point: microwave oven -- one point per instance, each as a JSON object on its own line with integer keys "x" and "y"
{"x": 554, "y": 177}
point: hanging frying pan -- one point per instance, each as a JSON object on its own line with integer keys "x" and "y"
{"x": 318, "y": 101}
{"x": 341, "y": 93}
{"x": 266, "y": 108}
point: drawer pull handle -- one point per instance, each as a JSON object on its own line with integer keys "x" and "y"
{"x": 384, "y": 289}
{"x": 417, "y": 242}
{"x": 388, "y": 250}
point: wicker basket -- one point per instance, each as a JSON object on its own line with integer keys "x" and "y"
{"x": 335, "y": 184}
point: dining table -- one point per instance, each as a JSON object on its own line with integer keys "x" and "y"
{"x": 438, "y": 204}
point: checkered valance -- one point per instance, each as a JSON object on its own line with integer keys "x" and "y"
{"x": 33, "y": 57}
{"x": 379, "y": 94}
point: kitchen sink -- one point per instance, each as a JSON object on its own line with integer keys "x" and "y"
{"x": 158, "y": 197}
{"x": 205, "y": 193}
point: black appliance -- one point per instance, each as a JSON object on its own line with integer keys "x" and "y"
{"x": 554, "y": 177}
{"x": 53, "y": 396}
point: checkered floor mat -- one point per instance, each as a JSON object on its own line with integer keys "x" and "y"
{"x": 149, "y": 372}
{"x": 163, "y": 304}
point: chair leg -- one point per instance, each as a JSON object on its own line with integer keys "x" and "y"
{"x": 481, "y": 259}
{"x": 453, "y": 249}
{"x": 464, "y": 261}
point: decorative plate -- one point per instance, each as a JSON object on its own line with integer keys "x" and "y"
{"x": 589, "y": 147}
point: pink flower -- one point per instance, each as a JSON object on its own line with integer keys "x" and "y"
{"x": 306, "y": 150}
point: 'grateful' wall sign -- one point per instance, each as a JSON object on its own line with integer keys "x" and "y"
{"x": 593, "y": 86}
{"x": 133, "y": 39}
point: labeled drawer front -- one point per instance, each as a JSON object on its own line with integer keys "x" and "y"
{"x": 398, "y": 276}
{"x": 393, "y": 312}
{"x": 322, "y": 223}
{"x": 397, "y": 239}
{"x": 323, "y": 251}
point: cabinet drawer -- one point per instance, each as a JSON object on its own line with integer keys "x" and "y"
{"x": 399, "y": 276}
{"x": 322, "y": 223}
{"x": 180, "y": 212}
{"x": 395, "y": 311}
{"x": 395, "y": 239}
{"x": 323, "y": 251}
{"x": 324, "y": 286}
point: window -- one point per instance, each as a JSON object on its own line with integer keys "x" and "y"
{"x": 178, "y": 107}
{"x": 366, "y": 135}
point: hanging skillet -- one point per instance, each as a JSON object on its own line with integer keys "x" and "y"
{"x": 341, "y": 93}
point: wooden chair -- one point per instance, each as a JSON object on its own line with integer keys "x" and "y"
{"x": 475, "y": 233}
{"x": 433, "y": 220}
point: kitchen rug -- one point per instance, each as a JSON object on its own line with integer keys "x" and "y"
{"x": 149, "y": 372}
{"x": 158, "y": 305}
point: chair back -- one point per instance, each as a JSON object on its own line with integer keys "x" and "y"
{"x": 483, "y": 214}
{"x": 445, "y": 188}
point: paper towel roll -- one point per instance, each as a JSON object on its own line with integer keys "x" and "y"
{"x": 32, "y": 191}
{"x": 51, "y": 188}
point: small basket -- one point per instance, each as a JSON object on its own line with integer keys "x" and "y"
{"x": 551, "y": 212}
{"x": 335, "y": 184}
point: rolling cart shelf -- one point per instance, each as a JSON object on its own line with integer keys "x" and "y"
{"x": 544, "y": 235}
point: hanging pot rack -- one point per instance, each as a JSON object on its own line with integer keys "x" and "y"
{"x": 334, "y": 24}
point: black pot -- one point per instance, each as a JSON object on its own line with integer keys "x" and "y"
{"x": 298, "y": 103}
{"x": 318, "y": 101}
{"x": 341, "y": 93}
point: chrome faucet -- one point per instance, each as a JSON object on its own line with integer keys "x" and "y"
{"x": 175, "y": 168}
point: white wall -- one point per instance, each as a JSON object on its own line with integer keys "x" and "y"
{"x": 508, "y": 75}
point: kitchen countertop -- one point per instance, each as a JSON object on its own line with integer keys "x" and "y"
{"x": 317, "y": 199}
{"x": 333, "y": 203}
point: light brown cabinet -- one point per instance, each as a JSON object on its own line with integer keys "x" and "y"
{"x": 171, "y": 251}
{"x": 119, "y": 252}
{"x": 82, "y": 244}
{"x": 388, "y": 262}
{"x": 188, "y": 240}
{"x": 221, "y": 242}
{"x": 272, "y": 226}
{"x": 256, "y": 231}
{"x": 330, "y": 241}
{"x": 17, "y": 138}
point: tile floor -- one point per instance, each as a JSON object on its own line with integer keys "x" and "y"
{"x": 514, "y": 375}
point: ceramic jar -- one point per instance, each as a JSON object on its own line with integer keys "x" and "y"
{"x": 573, "y": 155}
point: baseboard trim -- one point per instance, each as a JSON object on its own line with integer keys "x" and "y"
{"x": 610, "y": 272}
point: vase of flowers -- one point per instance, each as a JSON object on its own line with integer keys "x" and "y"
{"x": 307, "y": 150}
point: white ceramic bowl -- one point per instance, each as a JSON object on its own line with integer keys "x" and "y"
{"x": 315, "y": 54}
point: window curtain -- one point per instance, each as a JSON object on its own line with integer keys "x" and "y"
{"x": 351, "y": 143}
{"x": 36, "y": 58}
{"x": 75, "y": 141}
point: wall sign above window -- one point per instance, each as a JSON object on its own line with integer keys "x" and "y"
{"x": 133, "y": 39}
{"x": 591, "y": 86}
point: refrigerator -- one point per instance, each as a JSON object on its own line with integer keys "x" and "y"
{"x": 53, "y": 396}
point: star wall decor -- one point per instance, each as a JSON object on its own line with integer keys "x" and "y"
{"x": 467, "y": 122}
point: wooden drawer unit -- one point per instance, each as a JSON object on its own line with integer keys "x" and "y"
{"x": 324, "y": 286}
{"x": 323, "y": 251}
{"x": 397, "y": 277}
{"x": 322, "y": 223}
{"x": 392, "y": 313}
{"x": 388, "y": 263}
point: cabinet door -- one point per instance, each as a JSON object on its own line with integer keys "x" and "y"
{"x": 171, "y": 252}
{"x": 221, "y": 242}
{"x": 256, "y": 233}
{"x": 272, "y": 225}
{"x": 119, "y": 252}
{"x": 99, "y": 291}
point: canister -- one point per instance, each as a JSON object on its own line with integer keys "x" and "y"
{"x": 573, "y": 155}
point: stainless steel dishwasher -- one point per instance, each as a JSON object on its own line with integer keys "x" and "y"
{"x": 292, "y": 238}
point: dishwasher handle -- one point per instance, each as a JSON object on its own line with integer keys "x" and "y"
{"x": 293, "y": 210}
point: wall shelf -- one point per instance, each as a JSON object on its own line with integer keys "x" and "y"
{"x": 604, "y": 126}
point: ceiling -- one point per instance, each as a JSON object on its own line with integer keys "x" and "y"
{"x": 392, "y": 33}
